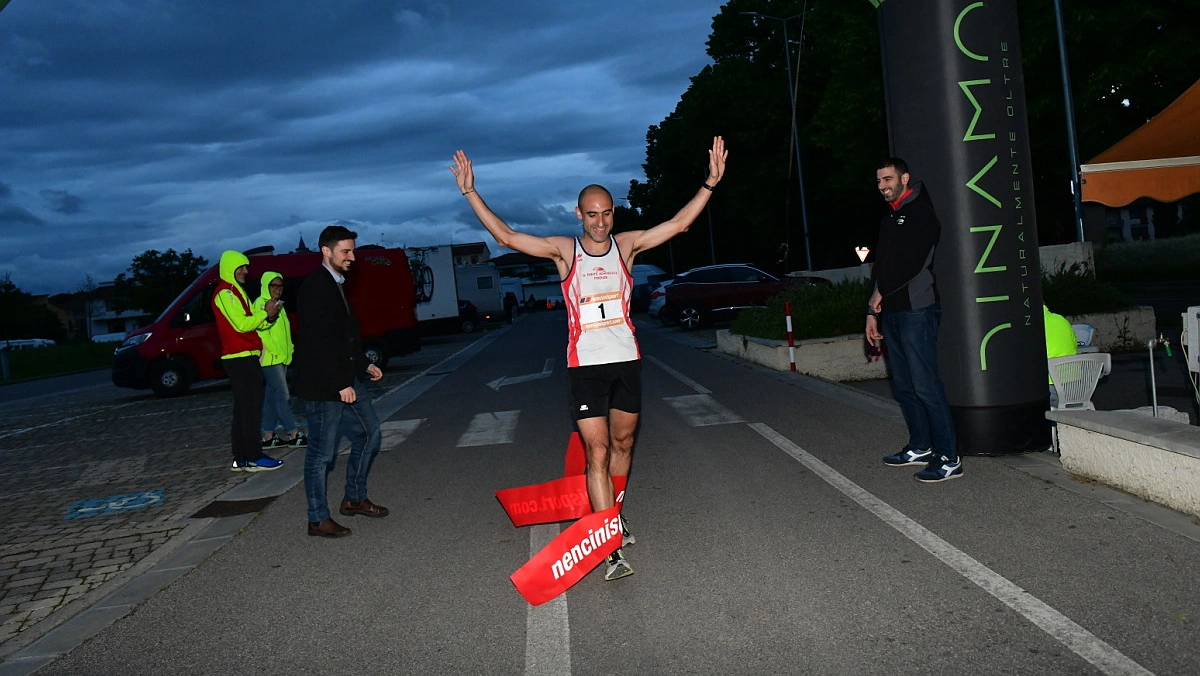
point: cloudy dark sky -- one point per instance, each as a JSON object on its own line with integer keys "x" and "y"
{"x": 129, "y": 125}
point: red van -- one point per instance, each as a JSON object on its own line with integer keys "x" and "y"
{"x": 182, "y": 347}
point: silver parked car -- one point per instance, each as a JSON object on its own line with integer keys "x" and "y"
{"x": 658, "y": 297}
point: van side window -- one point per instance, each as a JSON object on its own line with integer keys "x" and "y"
{"x": 197, "y": 310}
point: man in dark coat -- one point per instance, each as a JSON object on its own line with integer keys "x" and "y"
{"x": 329, "y": 365}
{"x": 904, "y": 309}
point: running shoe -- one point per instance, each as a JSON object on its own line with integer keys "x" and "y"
{"x": 266, "y": 464}
{"x": 300, "y": 441}
{"x": 618, "y": 567}
{"x": 942, "y": 469}
{"x": 245, "y": 466}
{"x": 626, "y": 537}
{"x": 909, "y": 455}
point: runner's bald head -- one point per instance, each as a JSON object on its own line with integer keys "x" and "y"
{"x": 594, "y": 190}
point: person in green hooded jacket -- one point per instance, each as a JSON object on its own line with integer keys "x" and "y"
{"x": 238, "y": 321}
{"x": 276, "y": 355}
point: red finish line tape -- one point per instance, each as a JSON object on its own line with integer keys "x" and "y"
{"x": 578, "y": 549}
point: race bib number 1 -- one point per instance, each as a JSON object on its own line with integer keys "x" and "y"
{"x": 600, "y": 310}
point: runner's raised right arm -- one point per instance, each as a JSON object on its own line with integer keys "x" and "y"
{"x": 542, "y": 247}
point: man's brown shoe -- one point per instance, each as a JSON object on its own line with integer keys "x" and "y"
{"x": 366, "y": 508}
{"x": 328, "y": 528}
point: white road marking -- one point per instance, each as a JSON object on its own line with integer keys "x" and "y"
{"x": 395, "y": 432}
{"x": 488, "y": 429}
{"x": 548, "y": 626}
{"x": 63, "y": 420}
{"x": 697, "y": 387}
{"x": 546, "y": 372}
{"x": 701, "y": 410}
{"x": 177, "y": 411}
{"x": 1079, "y": 640}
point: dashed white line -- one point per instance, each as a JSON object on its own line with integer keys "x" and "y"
{"x": 487, "y": 429}
{"x": 696, "y": 387}
{"x": 701, "y": 410}
{"x": 548, "y": 626}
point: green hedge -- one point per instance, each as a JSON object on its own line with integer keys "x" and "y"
{"x": 817, "y": 312}
{"x": 840, "y": 309}
{"x": 1074, "y": 291}
{"x": 1173, "y": 259}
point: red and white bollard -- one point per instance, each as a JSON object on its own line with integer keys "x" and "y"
{"x": 787, "y": 308}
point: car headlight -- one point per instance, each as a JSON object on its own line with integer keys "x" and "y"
{"x": 134, "y": 341}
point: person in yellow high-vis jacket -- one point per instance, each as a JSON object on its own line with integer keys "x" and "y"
{"x": 237, "y": 324}
{"x": 1060, "y": 342}
{"x": 276, "y": 356}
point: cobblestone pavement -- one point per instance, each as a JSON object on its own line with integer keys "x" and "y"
{"x": 98, "y": 478}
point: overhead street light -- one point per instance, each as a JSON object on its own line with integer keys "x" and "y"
{"x": 787, "y": 57}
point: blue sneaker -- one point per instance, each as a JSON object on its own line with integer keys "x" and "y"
{"x": 265, "y": 464}
{"x": 909, "y": 455}
{"x": 942, "y": 469}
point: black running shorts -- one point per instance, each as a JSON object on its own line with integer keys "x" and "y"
{"x": 596, "y": 389}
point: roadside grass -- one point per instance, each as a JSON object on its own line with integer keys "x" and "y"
{"x": 58, "y": 359}
{"x": 1173, "y": 259}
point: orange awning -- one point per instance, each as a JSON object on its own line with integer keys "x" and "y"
{"x": 1160, "y": 159}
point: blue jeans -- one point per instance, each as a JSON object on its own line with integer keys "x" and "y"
{"x": 911, "y": 337}
{"x": 275, "y": 409}
{"x": 328, "y": 422}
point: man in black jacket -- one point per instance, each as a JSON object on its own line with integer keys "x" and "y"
{"x": 904, "y": 308}
{"x": 329, "y": 364}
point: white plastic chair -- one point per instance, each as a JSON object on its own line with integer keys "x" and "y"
{"x": 1075, "y": 378}
{"x": 1083, "y": 338}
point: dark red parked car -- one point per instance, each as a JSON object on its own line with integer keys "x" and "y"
{"x": 702, "y": 295}
{"x": 717, "y": 292}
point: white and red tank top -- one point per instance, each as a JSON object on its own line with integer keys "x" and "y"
{"x": 597, "y": 292}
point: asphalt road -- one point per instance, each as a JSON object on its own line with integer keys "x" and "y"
{"x": 770, "y": 540}
{"x": 99, "y": 478}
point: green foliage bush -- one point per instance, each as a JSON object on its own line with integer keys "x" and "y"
{"x": 1176, "y": 258}
{"x": 1074, "y": 290}
{"x": 839, "y": 309}
{"x": 817, "y": 312}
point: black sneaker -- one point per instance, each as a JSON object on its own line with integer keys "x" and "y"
{"x": 245, "y": 466}
{"x": 618, "y": 567}
{"x": 300, "y": 441}
{"x": 909, "y": 455}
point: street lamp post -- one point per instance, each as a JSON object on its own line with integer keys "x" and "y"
{"x": 1072, "y": 143}
{"x": 787, "y": 57}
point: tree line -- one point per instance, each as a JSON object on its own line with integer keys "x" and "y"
{"x": 1127, "y": 62}
{"x": 152, "y": 280}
